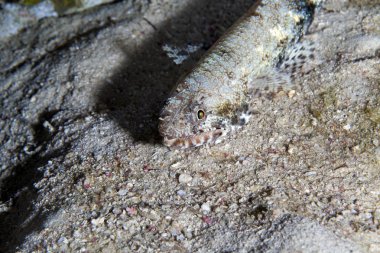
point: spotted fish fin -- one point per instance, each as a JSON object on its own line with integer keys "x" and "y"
{"x": 269, "y": 84}
{"x": 299, "y": 59}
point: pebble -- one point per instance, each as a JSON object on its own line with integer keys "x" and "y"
{"x": 175, "y": 232}
{"x": 131, "y": 211}
{"x": 188, "y": 234}
{"x": 310, "y": 173}
{"x": 135, "y": 200}
{"x": 291, "y": 149}
{"x": 184, "y": 178}
{"x": 366, "y": 216}
{"x": 206, "y": 208}
{"x": 233, "y": 207}
{"x": 77, "y": 234}
{"x": 180, "y": 237}
{"x": 98, "y": 221}
{"x": 62, "y": 240}
{"x": 291, "y": 93}
{"x": 48, "y": 126}
{"x": 347, "y": 127}
{"x": 175, "y": 165}
{"x": 122, "y": 192}
{"x": 116, "y": 211}
{"x": 181, "y": 193}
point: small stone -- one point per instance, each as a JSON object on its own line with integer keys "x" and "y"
{"x": 116, "y": 211}
{"x": 62, "y": 240}
{"x": 181, "y": 193}
{"x": 291, "y": 149}
{"x": 131, "y": 211}
{"x": 188, "y": 234}
{"x": 135, "y": 200}
{"x": 206, "y": 208}
{"x": 347, "y": 127}
{"x": 175, "y": 165}
{"x": 310, "y": 173}
{"x": 122, "y": 192}
{"x": 86, "y": 184}
{"x": 175, "y": 232}
{"x": 356, "y": 148}
{"x": 94, "y": 214}
{"x": 88, "y": 118}
{"x": 98, "y": 221}
{"x": 77, "y": 234}
{"x": 245, "y": 162}
{"x": 366, "y": 216}
{"x": 233, "y": 207}
{"x": 180, "y": 237}
{"x": 184, "y": 178}
{"x": 291, "y": 93}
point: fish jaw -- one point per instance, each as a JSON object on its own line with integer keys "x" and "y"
{"x": 190, "y": 135}
{"x": 195, "y": 140}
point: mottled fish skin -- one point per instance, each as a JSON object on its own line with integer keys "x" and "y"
{"x": 214, "y": 99}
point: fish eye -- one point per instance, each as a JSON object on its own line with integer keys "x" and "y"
{"x": 201, "y": 114}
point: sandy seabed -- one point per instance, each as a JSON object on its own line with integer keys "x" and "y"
{"x": 82, "y": 167}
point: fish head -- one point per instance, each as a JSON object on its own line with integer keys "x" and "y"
{"x": 189, "y": 119}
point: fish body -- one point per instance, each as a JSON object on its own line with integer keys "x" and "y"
{"x": 213, "y": 99}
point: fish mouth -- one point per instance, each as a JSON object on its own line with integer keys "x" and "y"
{"x": 195, "y": 140}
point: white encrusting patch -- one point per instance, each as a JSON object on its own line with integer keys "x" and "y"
{"x": 244, "y": 118}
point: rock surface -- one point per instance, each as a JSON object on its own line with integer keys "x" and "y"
{"x": 17, "y": 15}
{"x": 82, "y": 168}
